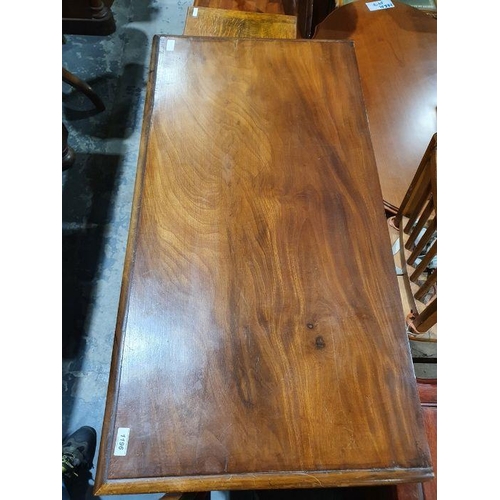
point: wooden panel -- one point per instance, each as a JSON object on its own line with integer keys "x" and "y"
{"x": 270, "y": 6}
{"x": 308, "y": 12}
{"x": 234, "y": 23}
{"x": 260, "y": 339}
{"x": 396, "y": 53}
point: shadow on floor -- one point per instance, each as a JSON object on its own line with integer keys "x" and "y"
{"x": 347, "y": 493}
{"x": 86, "y": 203}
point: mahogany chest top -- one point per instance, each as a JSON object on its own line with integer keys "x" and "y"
{"x": 260, "y": 340}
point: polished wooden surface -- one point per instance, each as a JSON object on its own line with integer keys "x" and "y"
{"x": 260, "y": 340}
{"x": 396, "y": 53}
{"x": 270, "y": 6}
{"x": 308, "y": 12}
{"x": 428, "y": 6}
{"x": 206, "y": 21}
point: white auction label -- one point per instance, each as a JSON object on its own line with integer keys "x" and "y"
{"x": 121, "y": 443}
{"x": 195, "y": 12}
{"x": 170, "y": 45}
{"x": 381, "y": 4}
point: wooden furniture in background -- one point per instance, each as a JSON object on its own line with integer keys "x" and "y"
{"x": 68, "y": 154}
{"x": 205, "y": 21}
{"x": 308, "y": 12}
{"x": 83, "y": 87}
{"x": 269, "y": 6}
{"x": 87, "y": 17}
{"x": 427, "y": 6}
{"x": 427, "y": 390}
{"x": 396, "y": 54}
{"x": 416, "y": 222}
{"x": 260, "y": 340}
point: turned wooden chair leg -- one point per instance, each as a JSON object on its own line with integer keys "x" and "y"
{"x": 99, "y": 10}
{"x": 68, "y": 155}
{"x": 83, "y": 87}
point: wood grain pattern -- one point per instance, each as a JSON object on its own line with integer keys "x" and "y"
{"x": 308, "y": 12}
{"x": 234, "y": 23}
{"x": 260, "y": 340}
{"x": 397, "y": 56}
{"x": 269, "y": 6}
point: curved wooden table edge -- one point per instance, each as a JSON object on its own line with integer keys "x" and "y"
{"x": 264, "y": 480}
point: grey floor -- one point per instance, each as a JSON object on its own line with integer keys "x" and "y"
{"x": 97, "y": 196}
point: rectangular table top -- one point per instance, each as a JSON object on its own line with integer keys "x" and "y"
{"x": 260, "y": 340}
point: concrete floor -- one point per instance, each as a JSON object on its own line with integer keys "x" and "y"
{"x": 97, "y": 196}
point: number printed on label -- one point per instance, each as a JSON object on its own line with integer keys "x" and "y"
{"x": 121, "y": 444}
{"x": 381, "y": 4}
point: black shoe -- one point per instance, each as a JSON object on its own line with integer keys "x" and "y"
{"x": 78, "y": 451}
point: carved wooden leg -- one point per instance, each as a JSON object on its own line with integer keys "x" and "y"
{"x": 68, "y": 155}
{"x": 99, "y": 10}
{"x": 83, "y": 87}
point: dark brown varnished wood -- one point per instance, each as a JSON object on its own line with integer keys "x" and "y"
{"x": 204, "y": 495}
{"x": 396, "y": 53}
{"x": 260, "y": 340}
{"x": 84, "y": 88}
{"x": 269, "y": 6}
{"x": 68, "y": 153}
{"x": 87, "y": 17}
{"x": 207, "y": 21}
